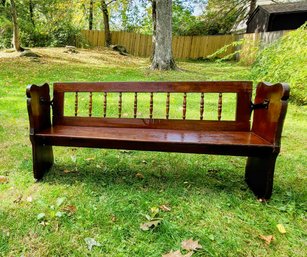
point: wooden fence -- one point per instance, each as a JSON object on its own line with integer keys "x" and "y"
{"x": 184, "y": 47}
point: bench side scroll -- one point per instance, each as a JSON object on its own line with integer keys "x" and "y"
{"x": 38, "y": 103}
{"x": 268, "y": 122}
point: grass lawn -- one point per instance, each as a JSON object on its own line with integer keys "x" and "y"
{"x": 100, "y": 194}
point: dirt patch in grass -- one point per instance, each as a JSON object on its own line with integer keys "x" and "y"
{"x": 96, "y": 57}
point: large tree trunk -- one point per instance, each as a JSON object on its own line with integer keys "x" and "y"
{"x": 162, "y": 37}
{"x": 107, "y": 32}
{"x": 16, "y": 40}
{"x": 91, "y": 15}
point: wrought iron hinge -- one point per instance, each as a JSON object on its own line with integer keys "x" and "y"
{"x": 43, "y": 100}
{"x": 263, "y": 105}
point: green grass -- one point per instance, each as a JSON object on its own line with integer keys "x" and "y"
{"x": 207, "y": 194}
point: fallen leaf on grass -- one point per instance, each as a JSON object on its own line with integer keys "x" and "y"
{"x": 4, "y": 180}
{"x": 18, "y": 199}
{"x": 154, "y": 211}
{"x": 165, "y": 208}
{"x": 70, "y": 209}
{"x": 177, "y": 254}
{"x": 91, "y": 242}
{"x": 113, "y": 218}
{"x": 150, "y": 225}
{"x": 60, "y": 201}
{"x": 69, "y": 171}
{"x": 41, "y": 216}
{"x": 29, "y": 199}
{"x": 267, "y": 239}
{"x": 191, "y": 245}
{"x": 90, "y": 159}
{"x": 139, "y": 175}
{"x": 281, "y": 228}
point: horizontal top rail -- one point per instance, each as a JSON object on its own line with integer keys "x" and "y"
{"x": 177, "y": 87}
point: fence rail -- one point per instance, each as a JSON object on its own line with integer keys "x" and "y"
{"x": 184, "y": 47}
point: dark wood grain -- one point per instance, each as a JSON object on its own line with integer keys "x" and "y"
{"x": 268, "y": 123}
{"x": 261, "y": 144}
{"x": 167, "y": 105}
{"x": 90, "y": 105}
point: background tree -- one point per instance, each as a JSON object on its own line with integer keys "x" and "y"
{"x": 162, "y": 35}
{"x": 91, "y": 15}
{"x": 16, "y": 39}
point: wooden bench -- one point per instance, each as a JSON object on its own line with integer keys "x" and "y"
{"x": 259, "y": 142}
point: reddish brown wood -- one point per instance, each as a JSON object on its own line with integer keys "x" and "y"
{"x": 205, "y": 125}
{"x": 261, "y": 144}
{"x": 120, "y": 101}
{"x": 135, "y": 105}
{"x": 105, "y": 103}
{"x": 38, "y": 104}
{"x": 76, "y": 104}
{"x": 184, "y": 106}
{"x": 151, "y": 105}
{"x": 172, "y": 87}
{"x": 90, "y": 106}
{"x": 219, "y": 109}
{"x": 234, "y": 143}
{"x": 268, "y": 123}
{"x": 167, "y": 105}
{"x": 202, "y": 103}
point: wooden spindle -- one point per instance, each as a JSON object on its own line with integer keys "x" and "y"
{"x": 76, "y": 104}
{"x": 167, "y": 105}
{"x": 184, "y": 106}
{"x": 219, "y": 115}
{"x": 90, "y": 108}
{"x": 151, "y": 105}
{"x": 202, "y": 103}
{"x": 120, "y": 105}
{"x": 135, "y": 105}
{"x": 105, "y": 104}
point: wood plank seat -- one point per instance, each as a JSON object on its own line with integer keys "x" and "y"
{"x": 111, "y": 128}
{"x": 167, "y": 140}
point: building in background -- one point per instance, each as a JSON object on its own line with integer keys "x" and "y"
{"x": 275, "y": 17}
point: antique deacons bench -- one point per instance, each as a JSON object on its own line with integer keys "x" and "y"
{"x": 259, "y": 141}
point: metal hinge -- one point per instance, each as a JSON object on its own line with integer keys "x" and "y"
{"x": 263, "y": 105}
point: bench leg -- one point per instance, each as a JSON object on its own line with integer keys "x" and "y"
{"x": 42, "y": 159}
{"x": 259, "y": 173}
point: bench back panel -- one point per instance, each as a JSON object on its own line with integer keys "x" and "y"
{"x": 242, "y": 89}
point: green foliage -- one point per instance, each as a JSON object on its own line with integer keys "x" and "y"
{"x": 285, "y": 60}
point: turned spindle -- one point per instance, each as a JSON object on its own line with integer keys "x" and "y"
{"x": 120, "y": 101}
{"x": 219, "y": 115}
{"x": 135, "y": 105}
{"x": 184, "y": 106}
{"x": 90, "y": 108}
{"x": 105, "y": 104}
{"x": 202, "y": 103}
{"x": 151, "y": 105}
{"x": 76, "y": 104}
{"x": 167, "y": 105}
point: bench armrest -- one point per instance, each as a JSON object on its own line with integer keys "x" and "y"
{"x": 38, "y": 103}
{"x": 268, "y": 122}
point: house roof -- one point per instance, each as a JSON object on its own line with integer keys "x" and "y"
{"x": 281, "y": 8}
{"x": 285, "y": 7}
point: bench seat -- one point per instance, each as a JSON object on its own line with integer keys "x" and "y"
{"x": 186, "y": 141}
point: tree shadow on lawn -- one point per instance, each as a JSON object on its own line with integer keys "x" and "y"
{"x": 161, "y": 175}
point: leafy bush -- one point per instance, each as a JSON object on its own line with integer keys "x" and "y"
{"x": 285, "y": 60}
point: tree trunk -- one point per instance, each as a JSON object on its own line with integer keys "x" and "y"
{"x": 162, "y": 39}
{"x": 91, "y": 15}
{"x": 252, "y": 7}
{"x": 31, "y": 10}
{"x": 154, "y": 28}
{"x": 107, "y": 32}
{"x": 16, "y": 40}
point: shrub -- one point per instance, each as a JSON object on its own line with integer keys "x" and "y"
{"x": 285, "y": 60}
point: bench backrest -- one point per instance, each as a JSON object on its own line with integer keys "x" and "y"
{"x": 241, "y": 122}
